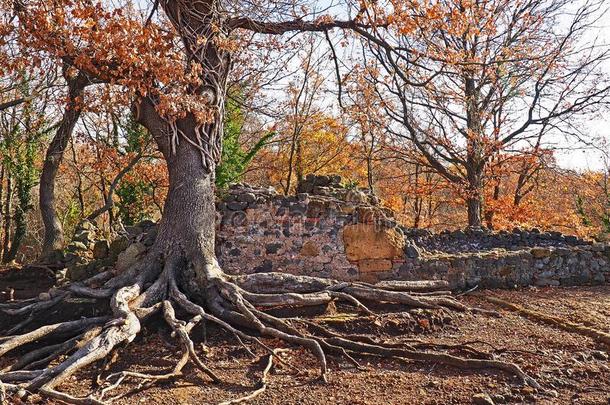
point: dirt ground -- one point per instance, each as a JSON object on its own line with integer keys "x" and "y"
{"x": 573, "y": 369}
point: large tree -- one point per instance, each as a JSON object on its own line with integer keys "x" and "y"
{"x": 183, "y": 110}
{"x": 465, "y": 81}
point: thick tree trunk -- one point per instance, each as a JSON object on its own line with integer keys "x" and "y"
{"x": 474, "y": 198}
{"x": 53, "y": 230}
{"x": 188, "y": 225}
{"x": 474, "y": 211}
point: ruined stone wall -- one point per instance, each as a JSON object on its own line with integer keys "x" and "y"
{"x": 499, "y": 268}
{"x": 330, "y": 231}
{"x": 475, "y": 240}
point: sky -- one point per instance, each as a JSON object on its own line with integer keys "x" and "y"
{"x": 578, "y": 157}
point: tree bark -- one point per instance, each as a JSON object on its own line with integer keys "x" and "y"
{"x": 474, "y": 211}
{"x": 474, "y": 160}
{"x": 187, "y": 228}
{"x": 79, "y": 183}
{"x": 474, "y": 186}
{"x": 474, "y": 196}
{"x": 490, "y": 213}
{"x": 53, "y": 230}
{"x": 24, "y": 202}
{"x": 7, "y": 215}
{"x": 1, "y": 199}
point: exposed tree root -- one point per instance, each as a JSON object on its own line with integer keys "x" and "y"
{"x": 595, "y": 334}
{"x": 2, "y": 394}
{"x": 235, "y": 303}
{"x": 262, "y": 384}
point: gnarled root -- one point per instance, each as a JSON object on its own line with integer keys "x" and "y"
{"x": 262, "y": 385}
{"x": 234, "y": 303}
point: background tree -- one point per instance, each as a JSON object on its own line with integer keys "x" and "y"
{"x": 76, "y": 82}
{"x": 512, "y": 177}
{"x": 235, "y": 157}
{"x": 465, "y": 82}
{"x": 24, "y": 127}
{"x": 302, "y": 111}
{"x": 365, "y": 113}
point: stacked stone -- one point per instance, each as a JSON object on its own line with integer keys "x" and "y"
{"x": 123, "y": 251}
{"x": 325, "y": 229}
{"x": 79, "y": 251}
{"x": 474, "y": 240}
{"x": 499, "y": 268}
{"x": 319, "y": 185}
{"x": 317, "y": 196}
{"x": 330, "y": 186}
{"x": 240, "y": 197}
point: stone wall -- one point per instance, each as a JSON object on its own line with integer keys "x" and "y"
{"x": 335, "y": 232}
{"x": 475, "y": 240}
{"x": 330, "y": 231}
{"x": 499, "y": 268}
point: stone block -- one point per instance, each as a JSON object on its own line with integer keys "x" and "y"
{"x": 365, "y": 241}
{"x": 81, "y": 272}
{"x": 310, "y": 249}
{"x": 544, "y": 282}
{"x": 246, "y": 197}
{"x": 356, "y": 196}
{"x": 101, "y": 249}
{"x": 237, "y": 205}
{"x": 273, "y": 248}
{"x": 374, "y": 265}
{"x": 76, "y": 246}
{"x": 130, "y": 256}
{"x": 117, "y": 246}
{"x": 412, "y": 251}
{"x": 540, "y": 252}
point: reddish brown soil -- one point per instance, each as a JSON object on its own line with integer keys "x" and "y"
{"x": 570, "y": 367}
